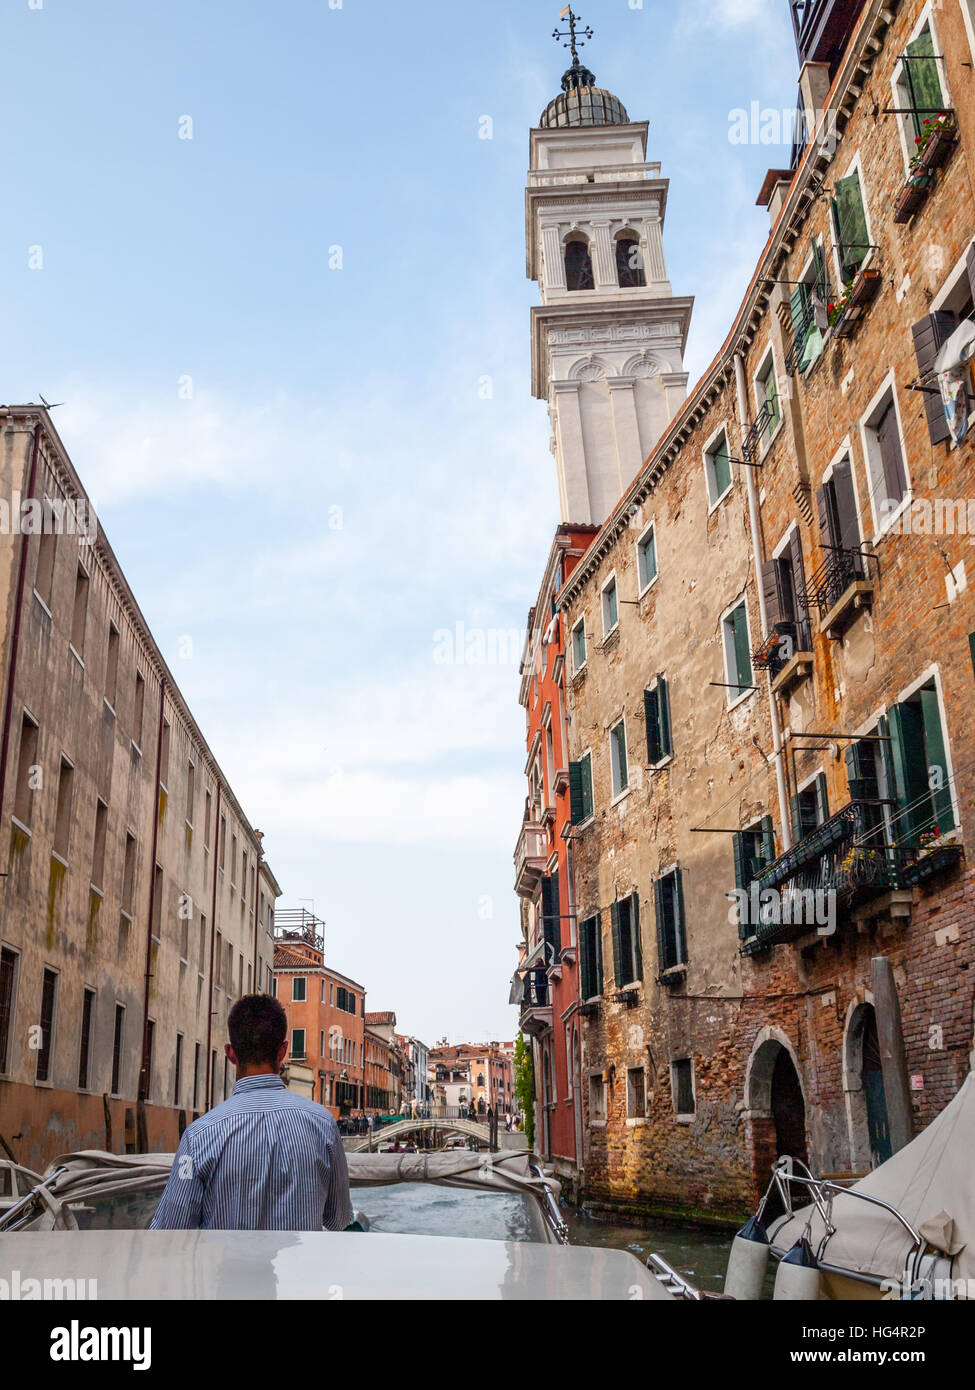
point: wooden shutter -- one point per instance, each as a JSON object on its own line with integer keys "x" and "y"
{"x": 576, "y": 812}
{"x": 861, "y": 771}
{"x": 936, "y": 758}
{"x": 800, "y": 611}
{"x": 651, "y": 712}
{"x": 614, "y": 917}
{"x": 743, "y": 657}
{"x": 827, "y": 527}
{"x": 768, "y": 840}
{"x": 550, "y": 913}
{"x": 895, "y": 478}
{"x": 586, "y": 774}
{"x": 914, "y": 805}
{"x": 680, "y": 930}
{"x": 770, "y": 591}
{"x": 929, "y": 334}
{"x": 799, "y": 304}
{"x": 742, "y": 880}
{"x": 597, "y": 951}
{"x": 635, "y": 936}
{"x": 795, "y": 813}
{"x": 847, "y": 524}
{"x": 663, "y": 705}
{"x": 819, "y": 264}
{"x": 851, "y": 224}
{"x": 660, "y": 913}
{"x": 585, "y": 962}
{"x": 822, "y": 802}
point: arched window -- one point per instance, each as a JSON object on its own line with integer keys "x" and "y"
{"x": 629, "y": 261}
{"x": 578, "y": 265}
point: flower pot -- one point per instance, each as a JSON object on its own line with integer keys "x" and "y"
{"x": 865, "y": 287}
{"x": 911, "y": 196}
{"x": 939, "y": 147}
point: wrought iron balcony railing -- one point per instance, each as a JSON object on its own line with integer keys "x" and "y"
{"x": 781, "y": 645}
{"x": 761, "y": 429}
{"x": 804, "y": 326}
{"x": 841, "y": 568}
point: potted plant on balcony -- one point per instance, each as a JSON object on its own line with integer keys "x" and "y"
{"x": 937, "y": 139}
{"x": 912, "y": 195}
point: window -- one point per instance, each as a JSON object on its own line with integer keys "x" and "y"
{"x": 839, "y": 529}
{"x": 918, "y": 87}
{"x": 8, "y": 983}
{"x": 809, "y": 807}
{"x": 784, "y": 589}
{"x": 767, "y": 400}
{"x": 671, "y": 933}
{"x": 578, "y": 265}
{"x": 98, "y": 849}
{"x": 117, "y": 1049}
{"x": 921, "y": 777}
{"x": 190, "y": 791}
{"x": 646, "y": 558}
{"x": 682, "y": 1085}
{"x": 580, "y": 789}
{"x": 617, "y": 753}
{"x": 717, "y": 468}
{"x": 754, "y": 848}
{"x": 140, "y": 709}
{"x": 808, "y": 303}
{"x": 79, "y": 616}
{"x": 46, "y": 552}
{"x": 636, "y": 1093}
{"x": 62, "y": 825}
{"x": 178, "y": 1068}
{"x": 298, "y": 1044}
{"x": 27, "y": 770}
{"x": 627, "y": 953}
{"x": 49, "y": 992}
{"x": 551, "y": 917}
{"x": 579, "y": 645}
{"x": 737, "y": 652}
{"x": 629, "y": 261}
{"x": 886, "y": 468}
{"x": 591, "y": 957}
{"x": 145, "y": 1080}
{"x": 850, "y": 226}
{"x": 111, "y": 665}
{"x": 610, "y": 606}
{"x": 158, "y": 890}
{"x": 597, "y": 1099}
{"x": 128, "y": 874}
{"x": 951, "y": 307}
{"x": 656, "y": 709}
{"x": 223, "y": 843}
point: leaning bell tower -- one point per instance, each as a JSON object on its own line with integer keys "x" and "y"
{"x": 608, "y": 337}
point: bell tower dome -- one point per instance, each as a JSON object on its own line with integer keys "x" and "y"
{"x": 608, "y": 337}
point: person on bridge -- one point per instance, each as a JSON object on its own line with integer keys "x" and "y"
{"x": 266, "y": 1159}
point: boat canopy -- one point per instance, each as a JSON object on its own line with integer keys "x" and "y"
{"x": 929, "y": 1182}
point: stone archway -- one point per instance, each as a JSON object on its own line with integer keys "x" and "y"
{"x": 863, "y": 1085}
{"x": 775, "y": 1104}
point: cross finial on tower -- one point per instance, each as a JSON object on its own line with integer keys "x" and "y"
{"x": 570, "y": 38}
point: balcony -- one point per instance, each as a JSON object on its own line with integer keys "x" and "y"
{"x": 845, "y": 863}
{"x": 839, "y": 588}
{"x": 786, "y": 654}
{"x": 536, "y": 1005}
{"x": 531, "y": 853}
{"x": 822, "y": 29}
{"x": 808, "y": 333}
{"x": 761, "y": 431}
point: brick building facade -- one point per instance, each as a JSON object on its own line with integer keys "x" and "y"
{"x": 774, "y": 719}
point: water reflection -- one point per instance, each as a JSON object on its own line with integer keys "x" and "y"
{"x": 700, "y": 1255}
{"x": 426, "y": 1209}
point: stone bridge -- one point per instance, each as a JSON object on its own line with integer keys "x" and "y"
{"x": 365, "y": 1143}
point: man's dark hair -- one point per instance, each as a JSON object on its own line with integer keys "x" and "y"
{"x": 257, "y": 1025}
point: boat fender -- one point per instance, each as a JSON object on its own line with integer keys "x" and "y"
{"x": 797, "y": 1277}
{"x": 747, "y": 1263}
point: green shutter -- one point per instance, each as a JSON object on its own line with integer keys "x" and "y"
{"x": 587, "y": 786}
{"x": 680, "y": 930}
{"x": 851, "y": 224}
{"x": 663, "y": 703}
{"x": 658, "y": 907}
{"x": 721, "y": 468}
{"x": 741, "y": 865}
{"x": 795, "y": 814}
{"x": 575, "y": 793}
{"x": 743, "y": 657}
{"x": 768, "y": 841}
{"x": 822, "y": 803}
{"x": 651, "y": 713}
{"x": 971, "y": 648}
{"x": 585, "y": 964}
{"x": 937, "y": 760}
{"x": 914, "y": 808}
{"x": 799, "y": 304}
{"x": 923, "y": 80}
{"x": 635, "y": 935}
{"x": 614, "y": 913}
{"x": 597, "y": 942}
{"x": 819, "y": 262}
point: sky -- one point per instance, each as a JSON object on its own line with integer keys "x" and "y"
{"x": 265, "y": 255}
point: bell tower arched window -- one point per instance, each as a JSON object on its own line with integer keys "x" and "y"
{"x": 629, "y": 261}
{"x": 578, "y": 265}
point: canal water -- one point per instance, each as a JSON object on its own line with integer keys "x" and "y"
{"x": 699, "y": 1254}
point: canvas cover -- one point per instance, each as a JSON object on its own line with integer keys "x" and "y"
{"x": 931, "y": 1182}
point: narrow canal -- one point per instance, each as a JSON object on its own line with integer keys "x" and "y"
{"x": 698, "y": 1254}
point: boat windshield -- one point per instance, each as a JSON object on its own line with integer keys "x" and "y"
{"x": 425, "y": 1209}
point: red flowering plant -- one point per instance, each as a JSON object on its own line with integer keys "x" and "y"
{"x": 940, "y": 125}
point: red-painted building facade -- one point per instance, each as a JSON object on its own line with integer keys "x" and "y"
{"x": 548, "y": 952}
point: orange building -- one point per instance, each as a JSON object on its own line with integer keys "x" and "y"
{"x": 481, "y": 1072}
{"x": 558, "y": 797}
{"x": 326, "y": 1013}
{"x": 382, "y": 1062}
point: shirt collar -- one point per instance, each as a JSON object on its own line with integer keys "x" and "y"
{"x": 257, "y": 1083}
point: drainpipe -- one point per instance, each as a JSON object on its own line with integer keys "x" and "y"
{"x": 213, "y": 945}
{"x": 753, "y": 519}
{"x": 144, "y": 1078}
{"x": 257, "y": 921}
{"x": 18, "y": 609}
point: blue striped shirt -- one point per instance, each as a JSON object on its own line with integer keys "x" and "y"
{"x": 264, "y": 1160}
